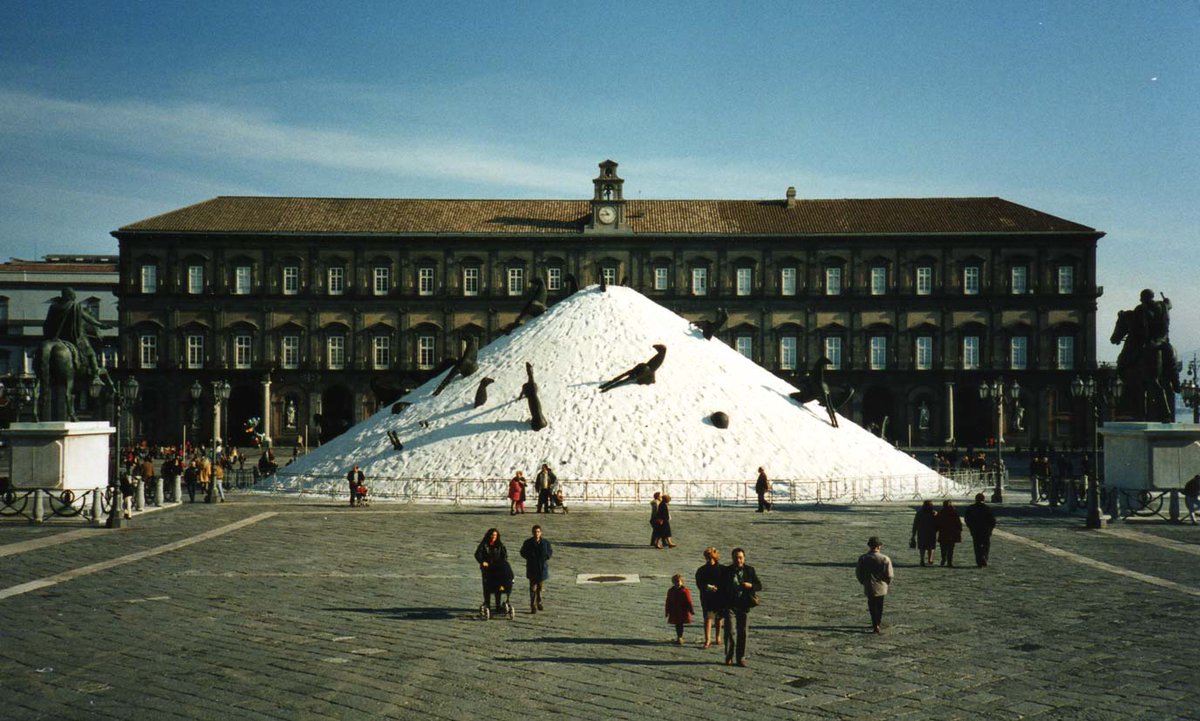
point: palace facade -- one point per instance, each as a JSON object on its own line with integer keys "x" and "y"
{"x": 331, "y": 307}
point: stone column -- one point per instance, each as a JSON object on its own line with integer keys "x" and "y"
{"x": 950, "y": 413}
{"x": 266, "y": 410}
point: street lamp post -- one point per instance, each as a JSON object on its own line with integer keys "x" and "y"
{"x": 1100, "y": 389}
{"x": 124, "y": 395}
{"x": 1191, "y": 390}
{"x": 997, "y": 391}
{"x": 221, "y": 391}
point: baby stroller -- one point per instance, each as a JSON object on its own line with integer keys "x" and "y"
{"x": 498, "y": 580}
{"x": 360, "y": 495}
{"x": 556, "y": 499}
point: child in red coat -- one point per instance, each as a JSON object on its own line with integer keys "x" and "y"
{"x": 679, "y": 606}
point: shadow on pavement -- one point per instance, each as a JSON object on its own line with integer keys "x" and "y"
{"x": 598, "y": 545}
{"x": 834, "y": 629}
{"x": 410, "y": 614}
{"x": 609, "y": 661}
{"x": 598, "y": 641}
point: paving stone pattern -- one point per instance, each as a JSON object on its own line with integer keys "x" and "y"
{"x": 323, "y": 611}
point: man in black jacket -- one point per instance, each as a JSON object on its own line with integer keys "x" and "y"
{"x": 980, "y": 521}
{"x": 741, "y": 594}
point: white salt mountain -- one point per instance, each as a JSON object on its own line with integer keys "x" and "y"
{"x": 622, "y": 444}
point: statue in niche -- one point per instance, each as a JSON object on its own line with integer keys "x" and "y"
{"x": 289, "y": 414}
{"x": 464, "y": 366}
{"x": 923, "y": 416}
{"x": 710, "y": 327}
{"x": 481, "y": 391}
{"x": 533, "y": 308}
{"x": 529, "y": 391}
{"x": 643, "y": 373}
{"x": 814, "y": 387}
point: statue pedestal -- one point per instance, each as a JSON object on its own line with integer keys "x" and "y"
{"x": 1150, "y": 456}
{"x": 59, "y": 455}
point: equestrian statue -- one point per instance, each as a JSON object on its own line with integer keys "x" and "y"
{"x": 65, "y": 360}
{"x": 1146, "y": 364}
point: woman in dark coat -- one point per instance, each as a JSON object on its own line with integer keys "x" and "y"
{"x": 709, "y": 578}
{"x": 949, "y": 532}
{"x": 494, "y": 568}
{"x": 924, "y": 532}
{"x": 664, "y": 516}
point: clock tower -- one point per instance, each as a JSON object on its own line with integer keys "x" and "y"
{"x": 608, "y": 201}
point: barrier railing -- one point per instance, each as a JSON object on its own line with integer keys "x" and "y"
{"x": 958, "y": 484}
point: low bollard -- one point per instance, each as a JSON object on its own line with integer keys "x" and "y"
{"x": 1174, "y": 506}
{"x": 158, "y": 491}
{"x": 178, "y": 489}
{"x": 97, "y": 507}
{"x": 39, "y": 510}
{"x": 139, "y": 495}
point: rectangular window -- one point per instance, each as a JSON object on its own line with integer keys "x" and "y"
{"x": 336, "y": 346}
{"x": 745, "y": 346}
{"x": 1065, "y": 357}
{"x": 745, "y": 277}
{"x": 924, "y": 353}
{"x": 149, "y": 278}
{"x": 195, "y": 279}
{"x": 242, "y": 353}
{"x": 554, "y": 279}
{"x": 971, "y": 280}
{"x": 291, "y": 280}
{"x": 337, "y": 280}
{"x": 241, "y": 280}
{"x": 1018, "y": 353}
{"x": 195, "y": 351}
{"x": 1020, "y": 279}
{"x": 381, "y": 280}
{"x": 661, "y": 277}
{"x": 148, "y": 351}
{"x": 924, "y": 280}
{"x": 424, "y": 281}
{"x": 425, "y": 356}
{"x": 381, "y": 352}
{"x": 833, "y": 280}
{"x": 1066, "y": 279}
{"x": 787, "y": 281}
{"x": 289, "y": 352}
{"x": 787, "y": 353}
{"x": 878, "y": 280}
{"x": 878, "y": 353}
{"x": 470, "y": 281}
{"x": 610, "y": 275}
{"x": 833, "y": 351}
{"x": 699, "y": 281}
{"x": 970, "y": 357}
{"x": 516, "y": 281}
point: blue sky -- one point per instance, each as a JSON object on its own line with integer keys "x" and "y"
{"x": 112, "y": 112}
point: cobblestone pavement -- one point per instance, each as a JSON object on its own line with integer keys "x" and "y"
{"x": 314, "y": 610}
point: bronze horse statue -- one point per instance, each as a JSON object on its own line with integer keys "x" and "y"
{"x": 1147, "y": 368}
{"x": 58, "y": 368}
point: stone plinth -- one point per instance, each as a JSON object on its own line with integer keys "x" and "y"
{"x": 59, "y": 455}
{"x": 1144, "y": 456}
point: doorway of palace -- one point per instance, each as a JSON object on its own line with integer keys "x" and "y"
{"x": 245, "y": 402}
{"x": 974, "y": 419}
{"x": 878, "y": 411}
{"x": 337, "y": 412}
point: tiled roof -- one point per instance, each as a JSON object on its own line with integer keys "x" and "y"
{"x": 235, "y": 214}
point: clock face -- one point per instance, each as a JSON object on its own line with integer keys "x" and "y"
{"x": 606, "y": 215}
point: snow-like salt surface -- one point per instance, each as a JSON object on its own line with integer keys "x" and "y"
{"x": 652, "y": 433}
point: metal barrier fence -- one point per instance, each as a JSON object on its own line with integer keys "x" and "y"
{"x": 957, "y": 484}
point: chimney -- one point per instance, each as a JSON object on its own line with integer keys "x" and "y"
{"x": 791, "y": 196}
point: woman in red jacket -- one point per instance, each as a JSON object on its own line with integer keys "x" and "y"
{"x": 679, "y": 606}
{"x": 949, "y": 532}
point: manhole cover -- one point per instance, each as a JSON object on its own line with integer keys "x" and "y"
{"x": 801, "y": 682}
{"x": 607, "y": 578}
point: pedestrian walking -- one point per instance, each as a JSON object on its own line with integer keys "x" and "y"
{"x": 191, "y": 478}
{"x": 496, "y": 573}
{"x": 536, "y": 551}
{"x": 762, "y": 487}
{"x": 949, "y": 532}
{"x": 874, "y": 572}
{"x": 924, "y": 532}
{"x": 980, "y": 522}
{"x": 206, "y": 478}
{"x": 516, "y": 494}
{"x": 741, "y": 587}
{"x": 679, "y": 606}
{"x": 1191, "y": 492}
{"x": 541, "y": 483}
{"x": 712, "y": 602}
{"x": 354, "y": 478}
{"x": 218, "y": 481}
{"x": 655, "y": 536}
{"x": 664, "y": 521}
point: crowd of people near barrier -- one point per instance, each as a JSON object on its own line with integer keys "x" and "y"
{"x": 201, "y": 470}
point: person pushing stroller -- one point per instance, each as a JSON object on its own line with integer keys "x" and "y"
{"x": 497, "y": 574}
